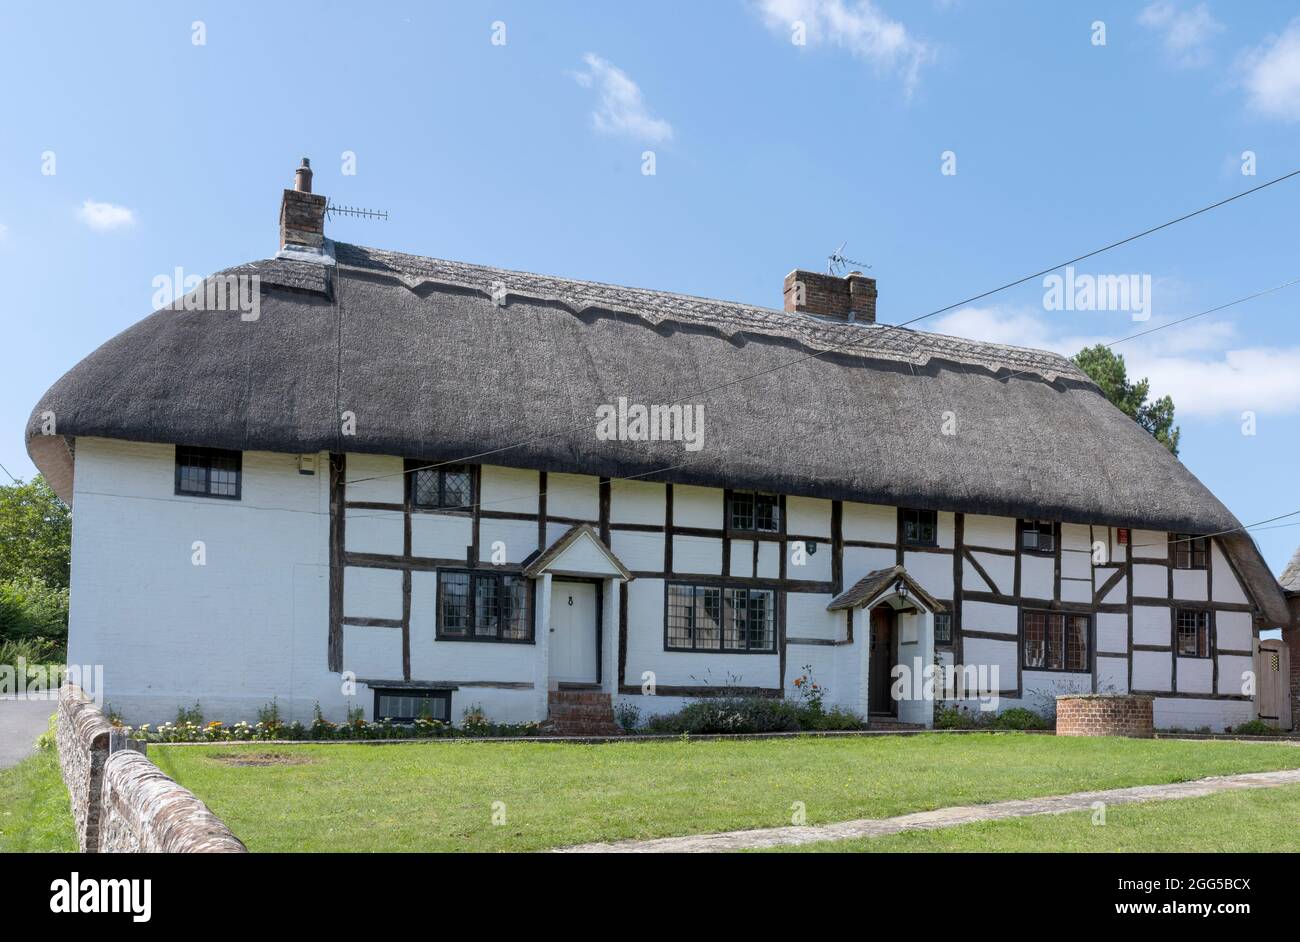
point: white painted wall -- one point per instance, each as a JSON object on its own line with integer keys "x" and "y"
{"x": 252, "y": 623}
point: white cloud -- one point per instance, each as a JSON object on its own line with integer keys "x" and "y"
{"x": 1185, "y": 33}
{"x": 105, "y": 216}
{"x": 1194, "y": 362}
{"x": 1272, "y": 75}
{"x": 855, "y": 25}
{"x": 619, "y": 108}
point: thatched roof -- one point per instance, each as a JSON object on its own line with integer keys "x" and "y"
{"x": 433, "y": 366}
{"x": 1290, "y": 578}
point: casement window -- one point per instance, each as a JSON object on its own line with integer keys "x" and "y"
{"x": 714, "y": 618}
{"x": 1190, "y": 552}
{"x": 209, "y": 472}
{"x": 484, "y": 606}
{"x": 1037, "y": 536}
{"x": 760, "y": 512}
{"x": 1192, "y": 632}
{"x": 1056, "y": 641}
{"x": 440, "y": 487}
{"x": 404, "y": 704}
{"x": 943, "y": 628}
{"x": 921, "y": 527}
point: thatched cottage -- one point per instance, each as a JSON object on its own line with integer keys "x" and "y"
{"x": 417, "y": 485}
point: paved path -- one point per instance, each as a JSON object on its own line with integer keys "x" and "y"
{"x": 942, "y": 817}
{"x": 21, "y": 721}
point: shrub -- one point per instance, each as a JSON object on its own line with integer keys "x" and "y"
{"x": 192, "y": 715}
{"x": 958, "y": 717}
{"x": 1254, "y": 728}
{"x": 730, "y": 715}
{"x": 628, "y": 716}
{"x": 1019, "y": 718}
{"x": 34, "y": 619}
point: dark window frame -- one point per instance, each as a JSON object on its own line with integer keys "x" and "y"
{"x": 947, "y": 617}
{"x": 419, "y": 693}
{"x": 1203, "y": 625}
{"x": 762, "y": 505}
{"x": 726, "y": 620}
{"x": 471, "y": 632}
{"x": 207, "y": 454}
{"x": 913, "y": 518}
{"x": 417, "y": 467}
{"x": 1040, "y": 529}
{"x": 1190, "y": 552}
{"x": 1064, "y": 619}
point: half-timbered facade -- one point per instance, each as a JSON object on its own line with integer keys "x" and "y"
{"x": 384, "y": 491}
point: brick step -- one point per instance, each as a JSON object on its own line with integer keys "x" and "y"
{"x": 580, "y": 713}
{"x": 888, "y": 722}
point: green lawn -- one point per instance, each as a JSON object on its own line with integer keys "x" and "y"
{"x": 1245, "y": 821}
{"x": 440, "y": 796}
{"x": 34, "y": 810}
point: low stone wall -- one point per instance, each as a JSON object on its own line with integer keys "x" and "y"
{"x": 1105, "y": 715}
{"x": 122, "y": 802}
{"x": 82, "y": 736}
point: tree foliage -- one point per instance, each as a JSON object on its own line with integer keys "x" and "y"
{"x": 35, "y": 534}
{"x": 1108, "y": 371}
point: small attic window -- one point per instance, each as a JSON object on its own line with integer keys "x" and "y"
{"x": 209, "y": 472}
{"x": 1037, "y": 536}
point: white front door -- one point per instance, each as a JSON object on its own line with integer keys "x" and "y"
{"x": 573, "y": 632}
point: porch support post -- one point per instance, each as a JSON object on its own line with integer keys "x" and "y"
{"x": 542, "y": 663}
{"x": 609, "y": 635}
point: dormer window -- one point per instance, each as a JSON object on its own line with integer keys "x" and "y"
{"x": 209, "y": 472}
{"x": 1190, "y": 552}
{"x": 760, "y": 512}
{"x": 1037, "y": 536}
{"x": 921, "y": 527}
{"x": 434, "y": 486}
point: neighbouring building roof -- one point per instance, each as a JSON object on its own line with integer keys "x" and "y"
{"x": 445, "y": 360}
{"x": 1290, "y": 578}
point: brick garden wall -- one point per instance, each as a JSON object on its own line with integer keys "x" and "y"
{"x": 122, "y": 802}
{"x": 1105, "y": 715}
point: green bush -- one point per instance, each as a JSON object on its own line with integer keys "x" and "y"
{"x": 1019, "y": 718}
{"x": 35, "y": 613}
{"x": 958, "y": 717}
{"x": 730, "y": 715}
{"x": 1254, "y": 728}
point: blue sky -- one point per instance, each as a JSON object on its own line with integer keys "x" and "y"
{"x": 768, "y": 155}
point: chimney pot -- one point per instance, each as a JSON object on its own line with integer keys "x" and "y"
{"x": 851, "y": 299}
{"x": 302, "y": 213}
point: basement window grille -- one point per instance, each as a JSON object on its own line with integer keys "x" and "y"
{"x": 405, "y": 705}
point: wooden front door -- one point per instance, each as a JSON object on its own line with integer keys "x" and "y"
{"x": 573, "y": 632}
{"x": 1272, "y": 668}
{"x": 881, "y": 660}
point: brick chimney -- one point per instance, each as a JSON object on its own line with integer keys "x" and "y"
{"x": 851, "y": 299}
{"x": 302, "y": 213}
